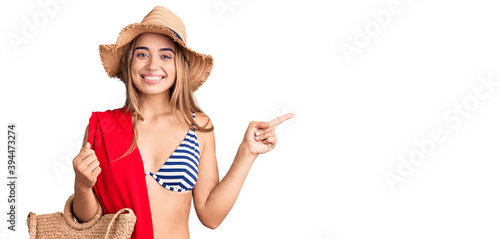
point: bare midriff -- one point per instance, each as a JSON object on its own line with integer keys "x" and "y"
{"x": 169, "y": 211}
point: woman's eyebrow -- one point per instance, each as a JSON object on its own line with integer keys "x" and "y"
{"x": 161, "y": 49}
{"x": 167, "y": 49}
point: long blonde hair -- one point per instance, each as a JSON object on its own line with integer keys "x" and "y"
{"x": 181, "y": 97}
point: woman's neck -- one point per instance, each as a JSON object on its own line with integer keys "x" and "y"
{"x": 153, "y": 106}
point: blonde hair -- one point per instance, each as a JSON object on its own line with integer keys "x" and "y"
{"x": 181, "y": 97}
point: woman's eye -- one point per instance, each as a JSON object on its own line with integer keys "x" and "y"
{"x": 142, "y": 55}
{"x": 166, "y": 57}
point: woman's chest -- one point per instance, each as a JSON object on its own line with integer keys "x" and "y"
{"x": 157, "y": 143}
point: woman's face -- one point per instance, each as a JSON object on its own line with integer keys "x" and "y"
{"x": 153, "y": 66}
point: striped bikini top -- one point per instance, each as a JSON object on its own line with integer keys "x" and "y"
{"x": 180, "y": 171}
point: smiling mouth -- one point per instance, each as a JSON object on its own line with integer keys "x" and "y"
{"x": 152, "y": 79}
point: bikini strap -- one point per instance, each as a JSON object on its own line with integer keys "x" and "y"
{"x": 193, "y": 118}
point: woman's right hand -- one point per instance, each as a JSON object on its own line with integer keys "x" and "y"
{"x": 86, "y": 168}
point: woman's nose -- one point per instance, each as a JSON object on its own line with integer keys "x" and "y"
{"x": 152, "y": 64}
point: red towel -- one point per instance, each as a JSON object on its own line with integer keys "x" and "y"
{"x": 121, "y": 184}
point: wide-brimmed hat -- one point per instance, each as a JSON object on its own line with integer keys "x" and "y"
{"x": 159, "y": 20}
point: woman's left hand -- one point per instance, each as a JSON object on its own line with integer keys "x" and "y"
{"x": 260, "y": 137}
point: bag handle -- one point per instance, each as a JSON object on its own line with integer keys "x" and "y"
{"x": 68, "y": 215}
{"x": 115, "y": 216}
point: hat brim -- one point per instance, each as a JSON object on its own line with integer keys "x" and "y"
{"x": 200, "y": 65}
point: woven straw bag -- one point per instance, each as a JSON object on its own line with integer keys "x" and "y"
{"x": 59, "y": 225}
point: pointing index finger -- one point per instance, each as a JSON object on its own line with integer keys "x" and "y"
{"x": 281, "y": 119}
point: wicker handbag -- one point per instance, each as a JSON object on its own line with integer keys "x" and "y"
{"x": 59, "y": 225}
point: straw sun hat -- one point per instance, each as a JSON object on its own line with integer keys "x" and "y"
{"x": 159, "y": 20}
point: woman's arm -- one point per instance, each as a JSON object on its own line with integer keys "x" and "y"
{"x": 86, "y": 168}
{"x": 213, "y": 199}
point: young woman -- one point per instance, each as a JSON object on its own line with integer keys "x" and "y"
{"x": 158, "y": 151}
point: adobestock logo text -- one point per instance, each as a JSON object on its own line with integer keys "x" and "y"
{"x": 454, "y": 117}
{"x": 31, "y": 26}
{"x": 363, "y": 36}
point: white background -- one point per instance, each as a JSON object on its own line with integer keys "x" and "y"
{"x": 325, "y": 179}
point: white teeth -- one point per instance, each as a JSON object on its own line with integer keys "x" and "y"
{"x": 153, "y": 78}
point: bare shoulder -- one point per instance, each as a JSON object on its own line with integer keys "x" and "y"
{"x": 203, "y": 120}
{"x": 204, "y": 137}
